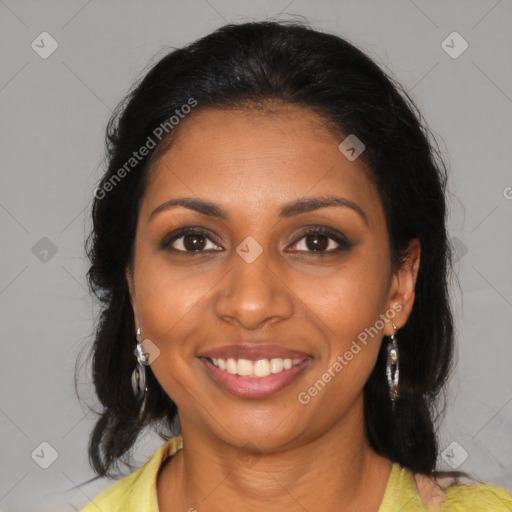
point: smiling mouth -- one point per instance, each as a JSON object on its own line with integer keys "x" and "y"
{"x": 255, "y": 369}
{"x": 260, "y": 378}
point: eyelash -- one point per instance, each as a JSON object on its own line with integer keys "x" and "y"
{"x": 343, "y": 243}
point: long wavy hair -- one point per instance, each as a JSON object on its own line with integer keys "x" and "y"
{"x": 288, "y": 62}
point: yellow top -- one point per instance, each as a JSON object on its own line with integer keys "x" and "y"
{"x": 405, "y": 491}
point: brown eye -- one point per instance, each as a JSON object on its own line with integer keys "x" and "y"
{"x": 193, "y": 242}
{"x": 189, "y": 240}
{"x": 321, "y": 241}
{"x": 317, "y": 242}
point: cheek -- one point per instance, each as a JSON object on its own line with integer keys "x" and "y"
{"x": 347, "y": 310}
{"x": 171, "y": 311}
{"x": 350, "y": 298}
{"x": 347, "y": 306}
{"x": 170, "y": 306}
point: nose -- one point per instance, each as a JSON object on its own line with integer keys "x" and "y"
{"x": 253, "y": 295}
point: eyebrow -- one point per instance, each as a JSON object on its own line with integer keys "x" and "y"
{"x": 290, "y": 209}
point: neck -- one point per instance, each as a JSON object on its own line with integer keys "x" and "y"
{"x": 336, "y": 471}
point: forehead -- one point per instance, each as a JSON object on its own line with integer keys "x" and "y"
{"x": 252, "y": 161}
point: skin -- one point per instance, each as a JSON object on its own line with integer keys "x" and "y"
{"x": 307, "y": 457}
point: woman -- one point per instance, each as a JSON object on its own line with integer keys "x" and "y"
{"x": 270, "y": 250}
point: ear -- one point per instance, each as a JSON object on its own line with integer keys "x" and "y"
{"x": 131, "y": 288}
{"x": 403, "y": 283}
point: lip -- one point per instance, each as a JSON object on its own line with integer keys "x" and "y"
{"x": 253, "y": 352}
{"x": 250, "y": 387}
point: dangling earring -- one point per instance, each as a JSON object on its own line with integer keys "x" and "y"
{"x": 139, "y": 381}
{"x": 392, "y": 373}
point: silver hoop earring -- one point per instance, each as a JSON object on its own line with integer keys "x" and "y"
{"x": 139, "y": 377}
{"x": 392, "y": 370}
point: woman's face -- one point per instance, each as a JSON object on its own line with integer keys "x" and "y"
{"x": 231, "y": 306}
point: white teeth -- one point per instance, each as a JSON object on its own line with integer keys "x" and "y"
{"x": 245, "y": 367}
{"x": 276, "y": 365}
{"x": 259, "y": 368}
{"x": 231, "y": 366}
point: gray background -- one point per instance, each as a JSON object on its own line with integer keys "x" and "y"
{"x": 54, "y": 113}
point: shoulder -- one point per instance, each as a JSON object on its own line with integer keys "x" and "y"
{"x": 450, "y": 493}
{"x": 477, "y": 498}
{"x": 136, "y": 491}
{"x": 114, "y": 498}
